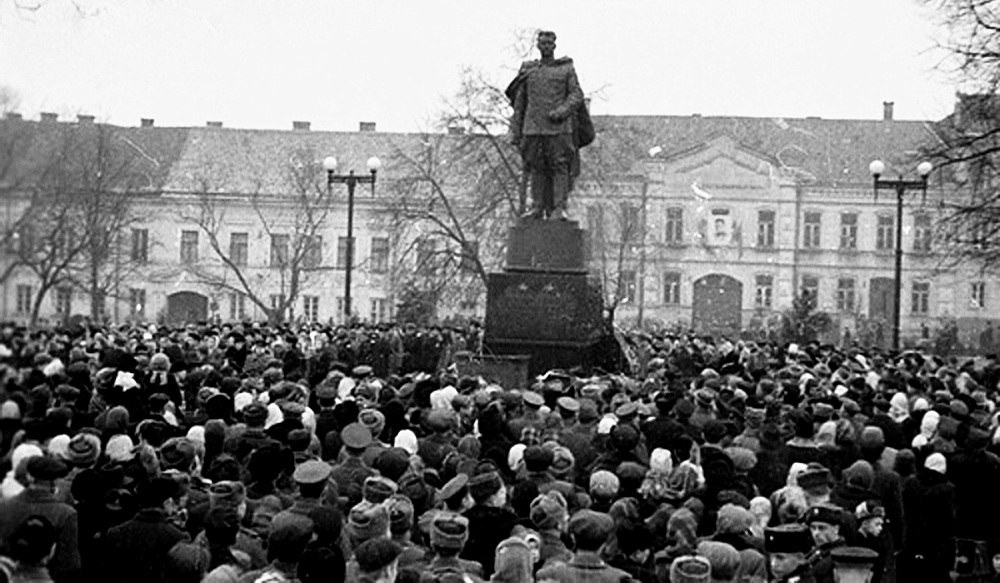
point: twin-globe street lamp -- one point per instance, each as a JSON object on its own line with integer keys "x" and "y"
{"x": 330, "y": 165}
{"x": 900, "y": 186}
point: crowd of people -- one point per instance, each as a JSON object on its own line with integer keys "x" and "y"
{"x": 251, "y": 453}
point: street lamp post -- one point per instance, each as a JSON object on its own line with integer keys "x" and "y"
{"x": 351, "y": 180}
{"x": 900, "y": 186}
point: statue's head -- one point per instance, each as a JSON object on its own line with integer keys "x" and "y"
{"x": 546, "y": 42}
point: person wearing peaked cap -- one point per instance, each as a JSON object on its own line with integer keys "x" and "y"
{"x": 787, "y": 546}
{"x": 854, "y": 564}
{"x": 449, "y": 533}
{"x": 590, "y": 531}
{"x": 627, "y": 412}
{"x": 568, "y": 407}
{"x": 351, "y": 473}
{"x": 312, "y": 472}
{"x": 532, "y": 400}
{"x": 361, "y": 371}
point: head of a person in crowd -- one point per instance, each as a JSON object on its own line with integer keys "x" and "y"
{"x": 311, "y": 477}
{"x": 824, "y": 521}
{"x": 366, "y": 521}
{"x": 537, "y": 459}
{"x": 870, "y": 515}
{"x": 817, "y": 483}
{"x": 682, "y": 529}
{"x": 487, "y": 489}
{"x": 180, "y": 454}
{"x": 228, "y": 494}
{"x": 222, "y": 523}
{"x": 787, "y": 546}
{"x": 690, "y": 569}
{"x": 33, "y": 542}
{"x": 160, "y": 493}
{"x": 589, "y": 530}
{"x": 255, "y": 415}
{"x": 549, "y": 512}
{"x": 449, "y": 533}
{"x": 723, "y": 558}
{"x": 42, "y": 472}
{"x": 401, "y": 513}
{"x": 455, "y": 494}
{"x": 513, "y": 561}
{"x": 378, "y": 560}
{"x": 287, "y": 542}
{"x": 356, "y": 438}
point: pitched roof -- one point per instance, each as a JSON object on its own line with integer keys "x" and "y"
{"x": 828, "y": 152}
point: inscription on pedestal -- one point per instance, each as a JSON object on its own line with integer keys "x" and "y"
{"x": 546, "y": 246}
{"x": 542, "y": 306}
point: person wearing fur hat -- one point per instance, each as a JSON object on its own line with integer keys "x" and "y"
{"x": 490, "y": 520}
{"x": 548, "y": 512}
{"x": 449, "y": 533}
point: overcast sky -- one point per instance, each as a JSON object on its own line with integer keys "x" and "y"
{"x": 263, "y": 63}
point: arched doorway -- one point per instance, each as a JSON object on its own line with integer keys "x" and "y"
{"x": 186, "y": 307}
{"x": 717, "y": 305}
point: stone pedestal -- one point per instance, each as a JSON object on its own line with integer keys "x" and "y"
{"x": 544, "y": 305}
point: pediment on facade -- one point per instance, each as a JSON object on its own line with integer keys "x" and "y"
{"x": 720, "y": 163}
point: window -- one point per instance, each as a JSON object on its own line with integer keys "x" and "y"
{"x": 310, "y": 308}
{"x": 239, "y": 249}
{"x": 631, "y": 223}
{"x": 672, "y": 288}
{"x": 849, "y": 231}
{"x": 845, "y": 294}
{"x": 765, "y": 229}
{"x": 279, "y": 250}
{"x": 189, "y": 246}
{"x": 99, "y": 302}
{"x": 140, "y": 246}
{"x": 380, "y": 255}
{"x": 764, "y": 296}
{"x": 675, "y": 226}
{"x": 64, "y": 301}
{"x": 23, "y": 305}
{"x": 921, "y": 297}
{"x": 626, "y": 286}
{"x": 276, "y": 302}
{"x": 810, "y": 235}
{"x": 885, "y": 233}
{"x": 595, "y": 222}
{"x": 343, "y": 243}
{"x": 810, "y": 286}
{"x": 237, "y": 306}
{"x": 379, "y": 310}
{"x": 426, "y": 250}
{"x": 922, "y": 233}
{"x": 977, "y": 294}
{"x": 469, "y": 256}
{"x": 137, "y": 303}
{"x": 313, "y": 256}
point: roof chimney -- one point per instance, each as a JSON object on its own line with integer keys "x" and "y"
{"x": 49, "y": 117}
{"x": 84, "y": 119}
{"x": 456, "y": 130}
{"x": 887, "y": 110}
{"x": 213, "y": 124}
{"x": 301, "y": 125}
{"x": 13, "y": 115}
{"x": 366, "y": 126}
{"x": 146, "y": 122}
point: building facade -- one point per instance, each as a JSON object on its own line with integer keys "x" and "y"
{"x": 714, "y": 223}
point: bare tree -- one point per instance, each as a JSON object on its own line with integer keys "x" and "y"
{"x": 292, "y": 222}
{"x": 968, "y": 145}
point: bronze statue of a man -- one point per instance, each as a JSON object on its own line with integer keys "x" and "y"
{"x": 549, "y": 125}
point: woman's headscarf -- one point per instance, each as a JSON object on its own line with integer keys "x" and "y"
{"x": 928, "y": 428}
{"x": 512, "y": 562}
{"x": 826, "y": 436}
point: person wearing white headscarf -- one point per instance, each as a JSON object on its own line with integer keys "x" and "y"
{"x": 12, "y": 485}
{"x": 928, "y": 429}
